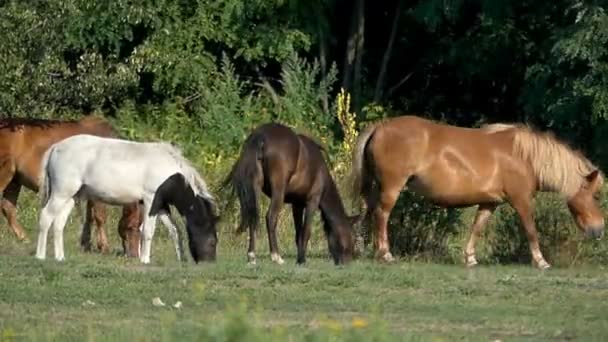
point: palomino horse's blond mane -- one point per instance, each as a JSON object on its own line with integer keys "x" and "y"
{"x": 557, "y": 166}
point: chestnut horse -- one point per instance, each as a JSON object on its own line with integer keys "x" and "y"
{"x": 289, "y": 168}
{"x": 23, "y": 142}
{"x": 460, "y": 167}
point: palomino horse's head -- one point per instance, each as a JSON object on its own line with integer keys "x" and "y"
{"x": 584, "y": 206}
{"x": 201, "y": 225}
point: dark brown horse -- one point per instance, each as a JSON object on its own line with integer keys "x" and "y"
{"x": 23, "y": 142}
{"x": 459, "y": 167}
{"x": 289, "y": 168}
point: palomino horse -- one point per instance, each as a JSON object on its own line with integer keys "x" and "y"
{"x": 289, "y": 168}
{"x": 23, "y": 141}
{"x": 155, "y": 174}
{"x": 460, "y": 167}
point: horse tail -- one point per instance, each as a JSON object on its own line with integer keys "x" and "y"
{"x": 44, "y": 180}
{"x": 360, "y": 172}
{"x": 242, "y": 178}
{"x": 362, "y": 177}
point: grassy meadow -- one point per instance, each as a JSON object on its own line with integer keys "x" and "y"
{"x": 108, "y": 297}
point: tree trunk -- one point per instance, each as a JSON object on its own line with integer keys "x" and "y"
{"x": 323, "y": 65}
{"x": 380, "y": 82}
{"x": 359, "y": 56}
{"x": 351, "y": 46}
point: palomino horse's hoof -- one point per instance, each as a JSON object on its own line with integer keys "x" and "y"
{"x": 543, "y": 265}
{"x": 386, "y": 257}
{"x": 470, "y": 260}
{"x": 471, "y": 263}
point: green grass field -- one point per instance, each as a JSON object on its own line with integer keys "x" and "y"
{"x": 107, "y": 297}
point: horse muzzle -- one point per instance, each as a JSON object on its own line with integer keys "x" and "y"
{"x": 595, "y": 232}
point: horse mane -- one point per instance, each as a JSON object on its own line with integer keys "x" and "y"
{"x": 17, "y": 122}
{"x": 14, "y": 123}
{"x": 557, "y": 166}
{"x": 199, "y": 186}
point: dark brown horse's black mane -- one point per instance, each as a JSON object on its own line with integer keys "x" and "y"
{"x": 13, "y": 123}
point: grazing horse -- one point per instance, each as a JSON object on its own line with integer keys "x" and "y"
{"x": 460, "y": 167}
{"x": 23, "y": 142}
{"x": 155, "y": 174}
{"x": 289, "y": 168}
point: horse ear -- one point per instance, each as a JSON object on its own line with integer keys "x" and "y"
{"x": 595, "y": 180}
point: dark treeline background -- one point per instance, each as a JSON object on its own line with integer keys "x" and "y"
{"x": 202, "y": 73}
{"x": 462, "y": 61}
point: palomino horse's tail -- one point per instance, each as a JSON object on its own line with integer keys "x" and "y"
{"x": 360, "y": 169}
{"x": 361, "y": 173}
{"x": 243, "y": 177}
{"x": 44, "y": 177}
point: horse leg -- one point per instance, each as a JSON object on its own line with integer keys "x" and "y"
{"x": 148, "y": 227}
{"x": 7, "y": 173}
{"x": 129, "y": 229}
{"x": 276, "y": 203}
{"x": 251, "y": 248}
{"x": 311, "y": 206}
{"x": 481, "y": 218}
{"x": 98, "y": 211}
{"x": 58, "y": 226}
{"x": 168, "y": 222}
{"x": 47, "y": 215}
{"x": 390, "y": 188}
{"x": 9, "y": 209}
{"x": 523, "y": 206}
{"x": 298, "y": 221}
{"x": 85, "y": 234}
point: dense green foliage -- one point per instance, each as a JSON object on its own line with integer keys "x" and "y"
{"x": 202, "y": 73}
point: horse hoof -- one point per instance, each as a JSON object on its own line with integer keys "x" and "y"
{"x": 277, "y": 258}
{"x": 251, "y": 262}
{"x": 470, "y": 261}
{"x": 387, "y": 257}
{"x": 543, "y": 265}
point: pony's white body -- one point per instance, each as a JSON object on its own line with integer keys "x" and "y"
{"x": 113, "y": 171}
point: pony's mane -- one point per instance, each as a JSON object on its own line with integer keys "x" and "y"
{"x": 199, "y": 186}
{"x": 13, "y": 123}
{"x": 557, "y": 166}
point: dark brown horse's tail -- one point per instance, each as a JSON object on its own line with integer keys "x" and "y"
{"x": 242, "y": 178}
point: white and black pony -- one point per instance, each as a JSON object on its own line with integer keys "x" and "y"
{"x": 117, "y": 171}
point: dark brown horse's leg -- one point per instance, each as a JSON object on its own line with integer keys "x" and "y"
{"x": 98, "y": 211}
{"x": 128, "y": 229}
{"x": 298, "y": 221}
{"x": 523, "y": 206}
{"x": 9, "y": 209}
{"x": 311, "y": 206}
{"x": 481, "y": 218}
{"x": 251, "y": 248}
{"x": 276, "y": 203}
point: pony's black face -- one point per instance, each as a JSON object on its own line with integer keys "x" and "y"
{"x": 201, "y": 227}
